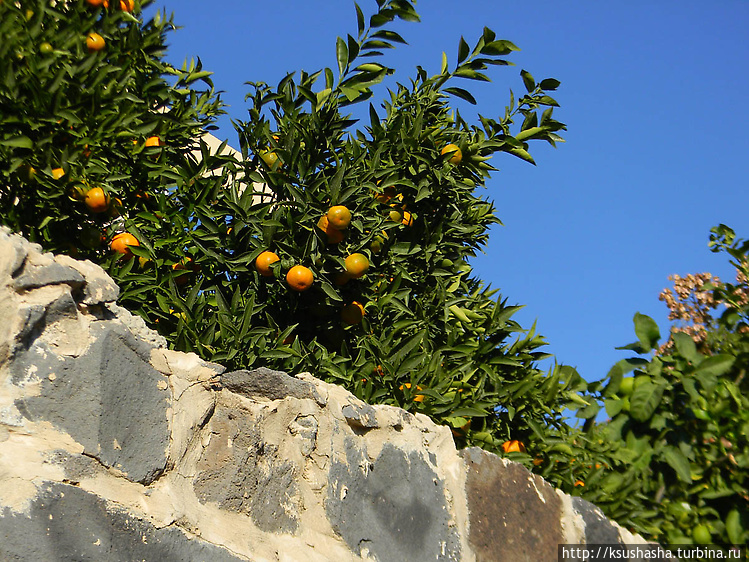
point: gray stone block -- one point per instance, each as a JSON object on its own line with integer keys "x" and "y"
{"x": 67, "y": 524}
{"x": 266, "y": 383}
{"x": 248, "y": 477}
{"x": 392, "y": 509}
{"x": 107, "y": 400}
{"x": 34, "y": 276}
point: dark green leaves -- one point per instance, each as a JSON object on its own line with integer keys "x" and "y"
{"x": 528, "y": 81}
{"x": 647, "y": 331}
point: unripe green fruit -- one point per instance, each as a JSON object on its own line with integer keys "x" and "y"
{"x": 627, "y": 386}
{"x": 701, "y": 535}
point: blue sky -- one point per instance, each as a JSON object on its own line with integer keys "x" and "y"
{"x": 654, "y": 96}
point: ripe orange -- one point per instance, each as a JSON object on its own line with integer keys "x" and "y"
{"x": 457, "y": 154}
{"x": 127, "y": 5}
{"x": 579, "y": 483}
{"x": 97, "y": 200}
{"x": 300, "y": 278}
{"x": 513, "y": 446}
{"x": 95, "y": 42}
{"x": 356, "y": 265}
{"x": 121, "y": 242}
{"x": 57, "y": 173}
{"x": 339, "y": 217}
{"x": 264, "y": 261}
{"x": 352, "y": 313}
{"x": 105, "y": 3}
{"x": 407, "y": 219}
{"x": 153, "y": 141}
{"x": 333, "y": 235}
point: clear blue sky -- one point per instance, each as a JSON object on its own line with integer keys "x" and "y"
{"x": 654, "y": 96}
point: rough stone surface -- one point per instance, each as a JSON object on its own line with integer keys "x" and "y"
{"x": 392, "y": 508}
{"x": 66, "y": 523}
{"x": 502, "y": 493}
{"x": 266, "y": 383}
{"x": 114, "y": 448}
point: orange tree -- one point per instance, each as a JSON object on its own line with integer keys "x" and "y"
{"x": 83, "y": 89}
{"x": 373, "y": 228}
{"x": 329, "y": 248}
{"x": 678, "y": 467}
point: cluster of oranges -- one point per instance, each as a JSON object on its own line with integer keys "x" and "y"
{"x": 98, "y": 201}
{"x": 333, "y": 225}
{"x": 300, "y": 278}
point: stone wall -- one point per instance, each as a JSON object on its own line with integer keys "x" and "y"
{"x": 113, "y": 448}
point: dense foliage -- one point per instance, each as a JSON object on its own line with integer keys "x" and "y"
{"x": 342, "y": 248}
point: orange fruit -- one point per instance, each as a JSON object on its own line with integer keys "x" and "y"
{"x": 513, "y": 446}
{"x": 333, "y": 235}
{"x": 122, "y": 241}
{"x": 395, "y": 216}
{"x": 407, "y": 219}
{"x": 97, "y": 200}
{"x": 356, "y": 265}
{"x": 57, "y": 173}
{"x": 300, "y": 278}
{"x": 153, "y": 141}
{"x": 95, "y": 42}
{"x": 46, "y": 48}
{"x": 579, "y": 483}
{"x": 352, "y": 313}
{"x": 339, "y": 217}
{"x": 98, "y": 2}
{"x": 127, "y": 5}
{"x": 454, "y": 150}
{"x": 264, "y": 261}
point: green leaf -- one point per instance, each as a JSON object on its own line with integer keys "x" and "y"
{"x": 530, "y": 83}
{"x": 679, "y": 462}
{"x": 549, "y": 84}
{"x": 686, "y": 347}
{"x": 647, "y": 331}
{"x": 462, "y": 94}
{"x": 341, "y": 51}
{"x": 389, "y": 36}
{"x": 522, "y": 154}
{"x": 359, "y": 19}
{"x": 716, "y": 365}
{"x": 18, "y": 142}
{"x": 444, "y": 69}
{"x": 734, "y": 529}
{"x": 645, "y": 400}
{"x": 463, "y": 50}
